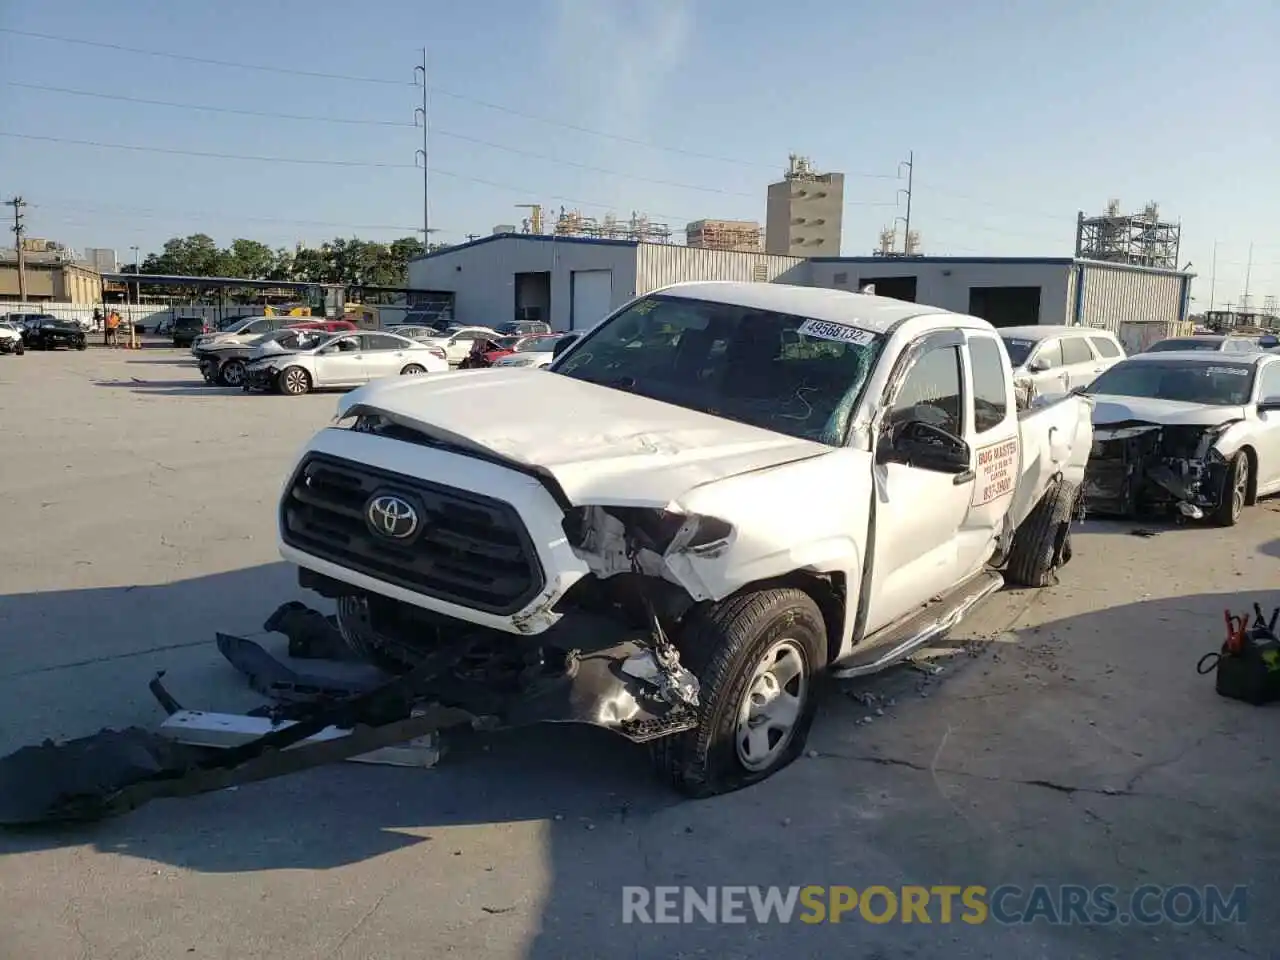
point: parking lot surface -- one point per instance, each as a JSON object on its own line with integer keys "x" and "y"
{"x": 1067, "y": 738}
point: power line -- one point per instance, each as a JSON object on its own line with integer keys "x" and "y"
{"x": 319, "y": 161}
{"x": 452, "y": 94}
{"x": 188, "y": 58}
{"x": 158, "y": 213}
{"x": 205, "y": 107}
{"x": 173, "y": 151}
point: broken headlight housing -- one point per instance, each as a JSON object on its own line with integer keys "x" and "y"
{"x": 601, "y": 530}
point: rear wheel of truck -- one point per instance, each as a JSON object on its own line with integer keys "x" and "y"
{"x": 1043, "y": 543}
{"x": 757, "y": 657}
{"x": 1235, "y": 492}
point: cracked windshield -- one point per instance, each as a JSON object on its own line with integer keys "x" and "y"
{"x": 570, "y": 479}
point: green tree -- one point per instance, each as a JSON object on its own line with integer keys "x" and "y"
{"x": 193, "y": 256}
{"x": 250, "y": 259}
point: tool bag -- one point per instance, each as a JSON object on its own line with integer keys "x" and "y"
{"x": 1248, "y": 665}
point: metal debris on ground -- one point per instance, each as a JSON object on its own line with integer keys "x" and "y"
{"x": 114, "y": 771}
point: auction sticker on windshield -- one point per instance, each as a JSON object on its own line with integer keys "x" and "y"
{"x": 839, "y": 332}
{"x": 1233, "y": 371}
{"x": 996, "y": 466}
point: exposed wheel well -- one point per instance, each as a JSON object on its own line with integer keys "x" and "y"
{"x": 1252, "y": 454}
{"x": 828, "y": 590}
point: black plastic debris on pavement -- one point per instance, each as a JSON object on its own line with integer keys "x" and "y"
{"x": 113, "y": 771}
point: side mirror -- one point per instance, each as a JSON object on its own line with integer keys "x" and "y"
{"x": 922, "y": 445}
{"x": 1038, "y": 365}
{"x": 563, "y": 344}
{"x": 1269, "y": 405}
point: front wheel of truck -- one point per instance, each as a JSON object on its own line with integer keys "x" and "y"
{"x": 757, "y": 657}
{"x": 1043, "y": 543}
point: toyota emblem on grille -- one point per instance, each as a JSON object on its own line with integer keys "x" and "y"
{"x": 392, "y": 517}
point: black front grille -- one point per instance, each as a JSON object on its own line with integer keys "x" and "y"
{"x": 470, "y": 550}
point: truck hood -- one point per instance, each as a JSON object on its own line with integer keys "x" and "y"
{"x": 1112, "y": 409}
{"x": 602, "y": 446}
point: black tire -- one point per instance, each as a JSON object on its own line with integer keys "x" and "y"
{"x": 723, "y": 645}
{"x": 293, "y": 381}
{"x": 413, "y": 369}
{"x": 231, "y": 373}
{"x": 19, "y": 349}
{"x": 1043, "y": 543}
{"x": 81, "y": 345}
{"x": 1235, "y": 492}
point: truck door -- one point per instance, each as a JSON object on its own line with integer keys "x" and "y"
{"x": 920, "y": 512}
{"x": 992, "y": 432}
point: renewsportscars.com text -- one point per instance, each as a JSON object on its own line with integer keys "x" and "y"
{"x": 1007, "y": 904}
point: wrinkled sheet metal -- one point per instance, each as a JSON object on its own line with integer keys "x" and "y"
{"x": 622, "y": 687}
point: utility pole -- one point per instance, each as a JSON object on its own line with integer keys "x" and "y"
{"x": 1248, "y": 269}
{"x": 910, "y": 164}
{"x": 421, "y": 113}
{"x": 1213, "y": 275}
{"x": 18, "y": 230}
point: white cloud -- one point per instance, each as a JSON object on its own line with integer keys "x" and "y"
{"x": 613, "y": 61}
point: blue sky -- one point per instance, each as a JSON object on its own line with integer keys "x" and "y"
{"x": 1019, "y": 115}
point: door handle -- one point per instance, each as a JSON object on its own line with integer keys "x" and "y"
{"x": 961, "y": 479}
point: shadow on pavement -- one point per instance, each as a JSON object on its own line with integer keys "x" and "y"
{"x": 1084, "y": 750}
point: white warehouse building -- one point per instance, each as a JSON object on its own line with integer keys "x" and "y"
{"x": 573, "y": 282}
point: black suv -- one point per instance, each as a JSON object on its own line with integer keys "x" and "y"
{"x": 186, "y": 329}
{"x": 47, "y": 332}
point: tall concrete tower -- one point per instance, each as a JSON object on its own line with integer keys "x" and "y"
{"x": 805, "y": 212}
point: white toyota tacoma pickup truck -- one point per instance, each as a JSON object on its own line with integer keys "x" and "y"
{"x": 716, "y": 495}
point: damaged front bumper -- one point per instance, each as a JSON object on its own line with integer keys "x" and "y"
{"x": 587, "y": 668}
{"x": 1138, "y": 468}
{"x": 634, "y": 686}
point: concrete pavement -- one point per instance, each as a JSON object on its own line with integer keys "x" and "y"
{"x": 1066, "y": 740}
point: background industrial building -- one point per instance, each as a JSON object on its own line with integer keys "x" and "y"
{"x": 804, "y": 212}
{"x": 574, "y": 282}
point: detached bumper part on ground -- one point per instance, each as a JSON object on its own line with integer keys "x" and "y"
{"x": 631, "y": 687}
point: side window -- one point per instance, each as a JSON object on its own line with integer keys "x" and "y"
{"x": 1105, "y": 347}
{"x": 349, "y": 345}
{"x": 990, "y": 388}
{"x": 466, "y": 335}
{"x": 1076, "y": 350}
{"x": 1269, "y": 388}
{"x": 932, "y": 392}
{"x": 1050, "y": 354}
{"x": 380, "y": 341}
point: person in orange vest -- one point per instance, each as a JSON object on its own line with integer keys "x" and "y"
{"x": 113, "y": 327}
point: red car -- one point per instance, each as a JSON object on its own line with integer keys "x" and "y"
{"x": 485, "y": 352}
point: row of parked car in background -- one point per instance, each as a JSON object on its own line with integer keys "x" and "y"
{"x": 293, "y": 356}
{"x": 20, "y": 332}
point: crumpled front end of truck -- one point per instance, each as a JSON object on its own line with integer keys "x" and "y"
{"x": 1137, "y": 468}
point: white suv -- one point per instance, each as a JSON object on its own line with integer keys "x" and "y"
{"x": 1050, "y": 360}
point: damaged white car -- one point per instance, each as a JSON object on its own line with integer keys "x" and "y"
{"x": 715, "y": 495}
{"x": 1194, "y": 433}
